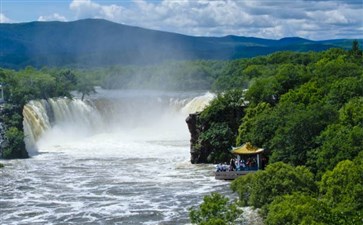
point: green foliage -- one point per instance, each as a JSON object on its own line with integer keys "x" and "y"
{"x": 217, "y": 138}
{"x": 342, "y": 188}
{"x": 66, "y": 80}
{"x": 226, "y": 107}
{"x": 352, "y": 113}
{"x": 30, "y": 84}
{"x": 342, "y": 90}
{"x": 306, "y": 110}
{"x": 215, "y": 210}
{"x": 338, "y": 142}
{"x": 355, "y": 52}
{"x": 2, "y": 165}
{"x": 261, "y": 188}
{"x": 219, "y": 123}
{"x": 293, "y": 106}
{"x": 15, "y": 144}
{"x": 85, "y": 87}
{"x": 289, "y": 195}
{"x": 264, "y": 89}
{"x": 259, "y": 125}
{"x": 299, "y": 208}
{"x": 295, "y": 136}
{"x": 308, "y": 93}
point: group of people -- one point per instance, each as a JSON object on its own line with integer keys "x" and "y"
{"x": 238, "y": 165}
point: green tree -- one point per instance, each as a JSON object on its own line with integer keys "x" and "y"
{"x": 290, "y": 76}
{"x": 342, "y": 189}
{"x": 215, "y": 210}
{"x": 66, "y": 80}
{"x": 299, "y": 208}
{"x": 337, "y": 143}
{"x": 218, "y": 139}
{"x": 261, "y": 188}
{"x": 355, "y": 52}
{"x": 259, "y": 126}
{"x": 295, "y": 136}
{"x": 85, "y": 87}
{"x": 15, "y": 147}
{"x": 351, "y": 114}
{"x": 265, "y": 89}
{"x": 342, "y": 90}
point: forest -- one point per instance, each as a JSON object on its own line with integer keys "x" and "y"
{"x": 306, "y": 111}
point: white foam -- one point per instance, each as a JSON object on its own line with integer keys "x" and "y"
{"x": 137, "y": 174}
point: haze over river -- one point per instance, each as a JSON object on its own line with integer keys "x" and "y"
{"x": 121, "y": 157}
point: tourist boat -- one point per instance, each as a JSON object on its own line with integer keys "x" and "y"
{"x": 249, "y": 158}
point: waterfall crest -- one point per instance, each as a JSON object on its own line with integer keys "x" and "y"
{"x": 198, "y": 103}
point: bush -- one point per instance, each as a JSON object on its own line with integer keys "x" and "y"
{"x": 15, "y": 147}
{"x": 261, "y": 188}
{"x": 215, "y": 210}
{"x": 298, "y": 209}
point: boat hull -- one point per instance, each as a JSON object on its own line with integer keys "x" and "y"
{"x": 231, "y": 175}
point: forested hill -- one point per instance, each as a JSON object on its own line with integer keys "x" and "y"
{"x": 94, "y": 42}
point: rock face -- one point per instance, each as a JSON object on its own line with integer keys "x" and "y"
{"x": 213, "y": 132}
{"x": 199, "y": 154}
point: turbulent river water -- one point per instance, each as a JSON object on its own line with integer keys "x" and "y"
{"x": 121, "y": 157}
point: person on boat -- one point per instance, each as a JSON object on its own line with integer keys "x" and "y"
{"x": 232, "y": 165}
{"x": 238, "y": 165}
{"x": 243, "y": 164}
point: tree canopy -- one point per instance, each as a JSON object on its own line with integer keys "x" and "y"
{"x": 305, "y": 110}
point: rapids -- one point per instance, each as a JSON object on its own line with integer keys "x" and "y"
{"x": 120, "y": 157}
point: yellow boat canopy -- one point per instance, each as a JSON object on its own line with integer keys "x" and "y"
{"x": 246, "y": 149}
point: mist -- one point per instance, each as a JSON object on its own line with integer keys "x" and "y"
{"x": 132, "y": 114}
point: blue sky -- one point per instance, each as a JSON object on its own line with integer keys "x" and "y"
{"x": 312, "y": 19}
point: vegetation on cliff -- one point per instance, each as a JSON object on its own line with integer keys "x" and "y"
{"x": 305, "y": 109}
{"x": 216, "y": 128}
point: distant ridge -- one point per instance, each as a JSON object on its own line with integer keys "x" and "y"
{"x": 95, "y": 42}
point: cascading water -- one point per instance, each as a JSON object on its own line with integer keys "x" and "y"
{"x": 64, "y": 118}
{"x": 121, "y": 157}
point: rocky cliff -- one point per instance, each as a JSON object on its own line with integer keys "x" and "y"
{"x": 197, "y": 153}
{"x": 214, "y": 130}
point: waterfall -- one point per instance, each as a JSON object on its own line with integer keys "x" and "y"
{"x": 66, "y": 115}
{"x": 198, "y": 103}
{"x": 60, "y": 120}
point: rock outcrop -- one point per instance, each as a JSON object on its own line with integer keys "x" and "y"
{"x": 199, "y": 152}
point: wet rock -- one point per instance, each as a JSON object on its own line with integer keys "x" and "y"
{"x": 198, "y": 153}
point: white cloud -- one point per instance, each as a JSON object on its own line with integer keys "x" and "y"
{"x": 4, "y": 19}
{"x": 317, "y": 19}
{"x": 53, "y": 17}
{"x": 88, "y": 9}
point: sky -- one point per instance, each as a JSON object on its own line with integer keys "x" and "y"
{"x": 273, "y": 19}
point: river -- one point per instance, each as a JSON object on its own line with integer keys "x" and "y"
{"x": 121, "y": 157}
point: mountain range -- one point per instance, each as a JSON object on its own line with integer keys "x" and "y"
{"x": 96, "y": 42}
